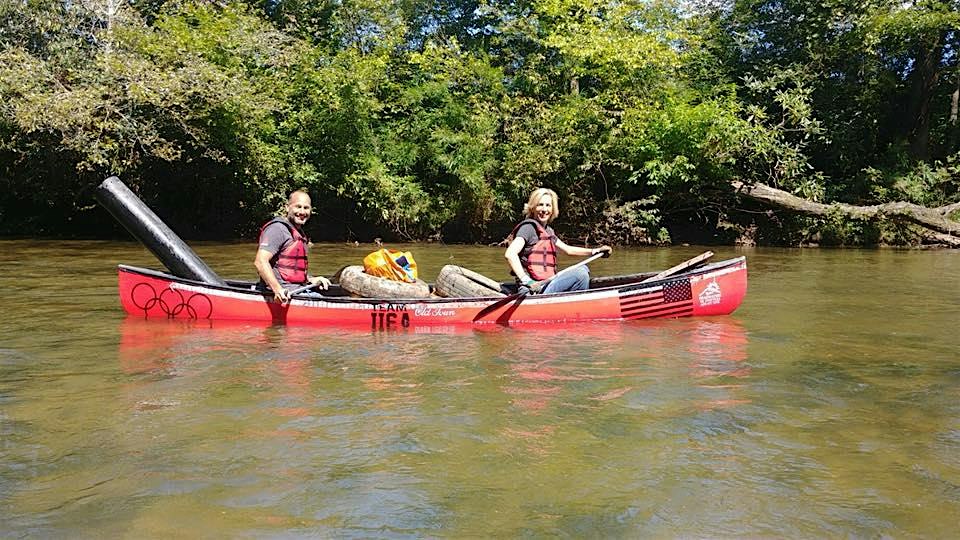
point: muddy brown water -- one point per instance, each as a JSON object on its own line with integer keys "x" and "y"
{"x": 828, "y": 405}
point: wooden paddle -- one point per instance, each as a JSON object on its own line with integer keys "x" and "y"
{"x": 681, "y": 267}
{"x": 518, "y": 297}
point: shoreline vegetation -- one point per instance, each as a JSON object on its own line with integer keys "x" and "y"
{"x": 747, "y": 122}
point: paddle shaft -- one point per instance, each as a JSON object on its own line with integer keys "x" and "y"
{"x": 519, "y": 296}
{"x": 299, "y": 290}
{"x": 584, "y": 262}
{"x": 682, "y": 266}
{"x": 306, "y": 287}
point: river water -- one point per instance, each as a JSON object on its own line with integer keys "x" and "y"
{"x": 828, "y": 405}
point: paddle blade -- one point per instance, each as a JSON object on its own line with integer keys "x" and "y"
{"x": 681, "y": 267}
{"x": 517, "y": 297}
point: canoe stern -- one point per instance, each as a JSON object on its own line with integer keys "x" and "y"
{"x": 719, "y": 292}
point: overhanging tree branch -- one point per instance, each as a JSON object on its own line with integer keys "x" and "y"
{"x": 934, "y": 219}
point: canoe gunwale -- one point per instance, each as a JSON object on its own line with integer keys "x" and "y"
{"x": 632, "y": 281}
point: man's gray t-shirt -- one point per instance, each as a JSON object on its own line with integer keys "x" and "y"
{"x": 273, "y": 240}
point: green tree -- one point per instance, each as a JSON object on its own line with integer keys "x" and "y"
{"x": 102, "y": 93}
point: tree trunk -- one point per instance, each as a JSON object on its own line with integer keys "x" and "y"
{"x": 936, "y": 220}
{"x": 954, "y": 106}
{"x": 954, "y": 102}
{"x": 924, "y": 75}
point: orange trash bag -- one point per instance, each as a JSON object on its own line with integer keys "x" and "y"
{"x": 391, "y": 264}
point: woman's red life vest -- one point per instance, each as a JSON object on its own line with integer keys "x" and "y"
{"x": 540, "y": 259}
{"x": 291, "y": 261}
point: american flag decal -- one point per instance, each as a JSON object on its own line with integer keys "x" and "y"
{"x": 673, "y": 299}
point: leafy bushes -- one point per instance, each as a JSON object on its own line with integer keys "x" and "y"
{"x": 437, "y": 119}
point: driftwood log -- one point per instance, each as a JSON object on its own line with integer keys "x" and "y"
{"x": 940, "y": 227}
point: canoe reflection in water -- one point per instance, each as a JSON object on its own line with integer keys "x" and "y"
{"x": 674, "y": 368}
{"x": 188, "y": 360}
{"x": 295, "y": 363}
{"x": 720, "y": 353}
{"x": 533, "y": 378}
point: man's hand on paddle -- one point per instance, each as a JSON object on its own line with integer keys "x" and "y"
{"x": 281, "y": 295}
{"x": 320, "y": 282}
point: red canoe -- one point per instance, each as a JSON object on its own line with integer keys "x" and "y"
{"x": 712, "y": 289}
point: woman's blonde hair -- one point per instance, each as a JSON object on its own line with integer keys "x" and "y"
{"x": 530, "y": 208}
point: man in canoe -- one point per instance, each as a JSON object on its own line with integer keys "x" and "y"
{"x": 281, "y": 258}
{"x": 532, "y": 254}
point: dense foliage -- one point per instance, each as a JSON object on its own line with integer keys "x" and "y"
{"x": 434, "y": 119}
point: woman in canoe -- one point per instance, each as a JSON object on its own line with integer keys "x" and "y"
{"x": 532, "y": 254}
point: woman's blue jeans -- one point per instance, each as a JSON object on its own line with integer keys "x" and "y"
{"x": 574, "y": 280}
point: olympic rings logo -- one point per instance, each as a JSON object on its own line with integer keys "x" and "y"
{"x": 172, "y": 302}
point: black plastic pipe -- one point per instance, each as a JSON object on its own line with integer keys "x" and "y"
{"x": 152, "y": 232}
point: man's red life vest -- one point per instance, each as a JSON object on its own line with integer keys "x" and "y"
{"x": 540, "y": 259}
{"x": 291, "y": 261}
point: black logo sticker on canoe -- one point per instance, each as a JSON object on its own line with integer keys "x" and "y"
{"x": 386, "y": 316}
{"x": 171, "y": 302}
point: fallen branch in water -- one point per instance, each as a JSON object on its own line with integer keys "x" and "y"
{"x": 943, "y": 229}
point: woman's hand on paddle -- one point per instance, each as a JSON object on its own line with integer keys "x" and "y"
{"x": 536, "y": 287}
{"x": 321, "y": 282}
{"x": 606, "y": 250}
